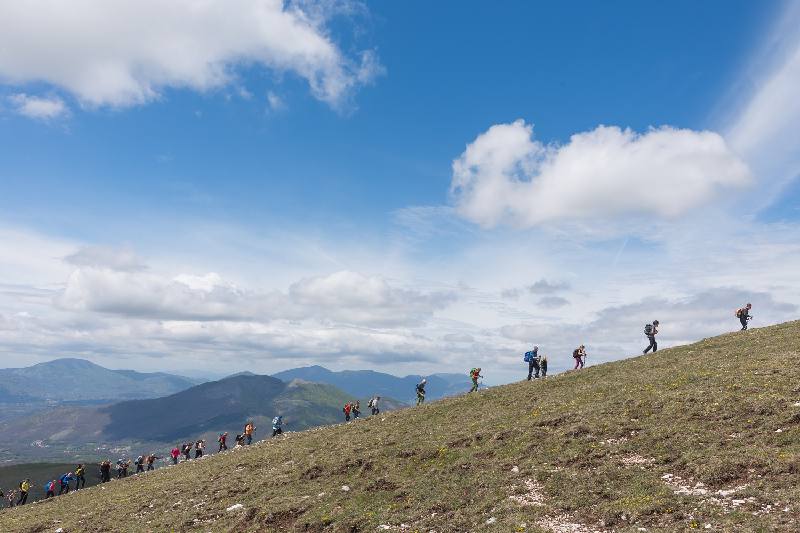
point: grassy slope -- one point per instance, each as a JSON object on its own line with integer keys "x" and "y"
{"x": 705, "y": 413}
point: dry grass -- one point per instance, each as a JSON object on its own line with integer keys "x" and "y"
{"x": 624, "y": 446}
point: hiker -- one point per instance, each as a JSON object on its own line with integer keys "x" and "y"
{"x": 373, "y": 404}
{"x": 199, "y": 446}
{"x": 10, "y": 496}
{"x": 532, "y": 358}
{"x": 175, "y": 453}
{"x": 277, "y": 422}
{"x": 222, "y": 439}
{"x": 105, "y": 471}
{"x": 239, "y": 441}
{"x": 543, "y": 365}
{"x": 249, "y": 428}
{"x": 356, "y": 409}
{"x": 474, "y": 374}
{"x": 50, "y": 489}
{"x": 64, "y": 480}
{"x": 579, "y": 354}
{"x": 122, "y": 470}
{"x": 139, "y": 464}
{"x": 187, "y": 451}
{"x": 346, "y": 409}
{"x": 80, "y": 477}
{"x": 650, "y": 331}
{"x": 743, "y": 314}
{"x": 421, "y": 391}
{"x": 24, "y": 487}
{"x": 150, "y": 460}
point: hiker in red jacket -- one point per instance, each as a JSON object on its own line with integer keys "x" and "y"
{"x": 175, "y": 453}
{"x": 347, "y": 408}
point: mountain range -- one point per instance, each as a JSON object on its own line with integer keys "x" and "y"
{"x": 366, "y": 383}
{"x": 65, "y": 380}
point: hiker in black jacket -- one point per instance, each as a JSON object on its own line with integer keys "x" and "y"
{"x": 650, "y": 331}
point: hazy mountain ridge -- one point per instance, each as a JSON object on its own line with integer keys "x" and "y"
{"x": 366, "y": 383}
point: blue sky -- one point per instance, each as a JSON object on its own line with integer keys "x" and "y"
{"x": 392, "y": 175}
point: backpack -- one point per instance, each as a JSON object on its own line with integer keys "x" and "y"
{"x": 648, "y": 329}
{"x": 371, "y": 403}
{"x": 739, "y": 312}
{"x": 528, "y": 357}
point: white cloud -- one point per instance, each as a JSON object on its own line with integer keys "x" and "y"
{"x": 339, "y": 298}
{"x": 766, "y": 128}
{"x": 505, "y": 176}
{"x": 122, "y": 259}
{"x": 275, "y": 102}
{"x": 38, "y": 107}
{"x": 121, "y": 53}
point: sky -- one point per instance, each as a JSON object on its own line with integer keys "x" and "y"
{"x": 409, "y": 187}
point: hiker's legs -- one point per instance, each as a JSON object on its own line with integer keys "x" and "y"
{"x": 250, "y": 439}
{"x": 535, "y": 368}
{"x": 23, "y": 497}
{"x": 577, "y": 363}
{"x": 653, "y": 346}
{"x": 474, "y": 385}
{"x": 743, "y": 321}
{"x": 544, "y": 369}
{"x": 530, "y": 370}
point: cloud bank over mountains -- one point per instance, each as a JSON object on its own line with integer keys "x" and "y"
{"x": 119, "y": 53}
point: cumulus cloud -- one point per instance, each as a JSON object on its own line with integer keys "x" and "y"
{"x": 121, "y": 53}
{"x": 505, "y": 176}
{"x": 41, "y": 108}
{"x": 342, "y": 297}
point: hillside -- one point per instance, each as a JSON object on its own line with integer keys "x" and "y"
{"x": 366, "y": 383}
{"x": 704, "y": 436}
{"x": 80, "y": 380}
{"x": 200, "y": 411}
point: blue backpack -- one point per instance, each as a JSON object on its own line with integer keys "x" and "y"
{"x": 529, "y": 356}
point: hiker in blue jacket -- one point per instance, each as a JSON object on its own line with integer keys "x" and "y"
{"x": 64, "y": 480}
{"x": 532, "y": 358}
{"x": 50, "y": 489}
{"x": 277, "y": 422}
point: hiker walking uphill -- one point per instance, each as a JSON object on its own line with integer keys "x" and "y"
{"x": 150, "y": 460}
{"x": 373, "y": 404}
{"x": 421, "y": 391}
{"x": 64, "y": 480}
{"x": 743, "y": 314}
{"x": 532, "y": 358}
{"x": 105, "y": 471}
{"x": 277, "y": 422}
{"x": 24, "y": 487}
{"x": 199, "y": 447}
{"x": 139, "y": 462}
{"x": 346, "y": 410}
{"x": 223, "y": 441}
{"x": 175, "y": 453}
{"x": 249, "y": 428}
{"x": 580, "y": 356}
{"x": 543, "y": 365}
{"x": 356, "y": 409}
{"x": 474, "y": 375}
{"x": 650, "y": 331}
{"x": 50, "y": 489}
{"x": 80, "y": 477}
